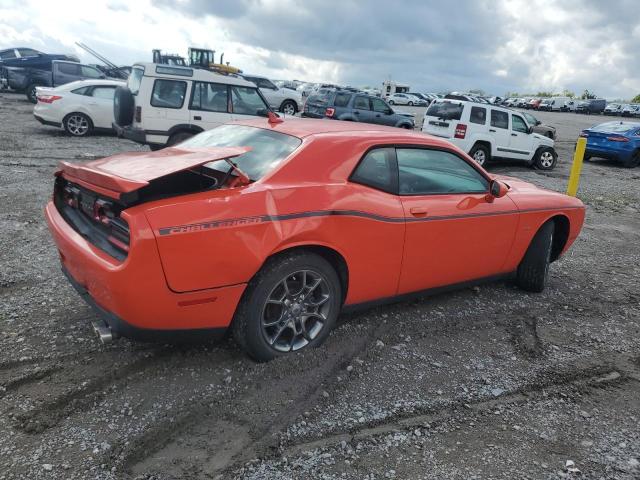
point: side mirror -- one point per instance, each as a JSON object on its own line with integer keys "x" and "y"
{"x": 530, "y": 130}
{"x": 538, "y": 122}
{"x": 497, "y": 189}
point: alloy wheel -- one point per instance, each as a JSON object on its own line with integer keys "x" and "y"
{"x": 77, "y": 125}
{"x": 546, "y": 159}
{"x": 480, "y": 157}
{"x": 289, "y": 109}
{"x": 296, "y": 310}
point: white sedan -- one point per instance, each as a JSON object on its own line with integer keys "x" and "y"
{"x": 402, "y": 99}
{"x": 79, "y": 107}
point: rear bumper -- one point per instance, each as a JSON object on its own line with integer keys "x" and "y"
{"x": 609, "y": 153}
{"x": 132, "y": 296}
{"x": 47, "y": 122}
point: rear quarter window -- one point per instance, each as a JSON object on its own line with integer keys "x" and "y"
{"x": 342, "y": 99}
{"x": 168, "y": 93}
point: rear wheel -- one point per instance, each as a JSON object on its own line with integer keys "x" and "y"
{"x": 77, "y": 124}
{"x": 179, "y": 137}
{"x": 288, "y": 107}
{"x": 290, "y": 305}
{"x": 633, "y": 161}
{"x": 533, "y": 271}
{"x": 545, "y": 158}
{"x": 481, "y": 154}
{"x": 411, "y": 104}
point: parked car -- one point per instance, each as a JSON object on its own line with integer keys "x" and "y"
{"x": 284, "y": 100}
{"x": 420, "y": 99}
{"x": 569, "y": 106}
{"x": 80, "y": 107}
{"x": 271, "y": 228}
{"x": 164, "y": 105}
{"x": 533, "y": 104}
{"x": 523, "y": 102}
{"x": 631, "y": 110}
{"x": 553, "y": 104}
{"x": 402, "y": 99}
{"x": 26, "y": 79}
{"x": 21, "y": 52}
{"x": 489, "y": 131}
{"x": 31, "y": 58}
{"x": 539, "y": 127}
{"x": 590, "y": 106}
{"x": 341, "y": 104}
{"x": 613, "y": 109}
{"x": 618, "y": 141}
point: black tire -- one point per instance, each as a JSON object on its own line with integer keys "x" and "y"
{"x": 123, "y": 106}
{"x": 289, "y": 105}
{"x": 545, "y": 158}
{"x": 179, "y": 137}
{"x": 391, "y": 102}
{"x": 533, "y": 270}
{"x": 30, "y": 91}
{"x": 77, "y": 124}
{"x": 482, "y": 153}
{"x": 248, "y": 328}
{"x": 407, "y": 126}
{"x": 410, "y": 104}
{"x": 550, "y": 135}
{"x": 633, "y": 161}
{"x": 154, "y": 147}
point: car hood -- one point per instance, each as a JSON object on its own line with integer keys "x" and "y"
{"x": 128, "y": 172}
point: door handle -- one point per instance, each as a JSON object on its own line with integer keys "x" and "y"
{"x": 418, "y": 211}
{"x": 356, "y": 113}
{"x": 197, "y": 117}
{"x": 492, "y": 130}
{"x": 514, "y": 134}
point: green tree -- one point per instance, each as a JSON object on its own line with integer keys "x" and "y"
{"x": 568, "y": 93}
{"x": 636, "y": 99}
{"x": 587, "y": 95}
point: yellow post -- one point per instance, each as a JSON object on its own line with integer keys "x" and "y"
{"x": 576, "y": 167}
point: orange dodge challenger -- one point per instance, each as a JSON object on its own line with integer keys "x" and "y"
{"x": 271, "y": 227}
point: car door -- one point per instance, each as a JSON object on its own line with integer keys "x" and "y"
{"x": 521, "y": 141}
{"x": 100, "y": 106}
{"x": 382, "y": 113}
{"x": 65, "y": 72}
{"x": 499, "y": 130}
{"x": 362, "y": 109}
{"x": 455, "y": 231}
{"x": 209, "y": 105}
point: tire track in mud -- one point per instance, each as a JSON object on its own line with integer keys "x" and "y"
{"x": 34, "y": 375}
{"x": 50, "y": 413}
{"x": 258, "y": 439}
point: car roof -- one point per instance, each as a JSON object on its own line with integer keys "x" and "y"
{"x": 306, "y": 127}
{"x": 95, "y": 83}
{"x": 191, "y": 73}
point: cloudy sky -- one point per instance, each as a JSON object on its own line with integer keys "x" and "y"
{"x": 494, "y": 45}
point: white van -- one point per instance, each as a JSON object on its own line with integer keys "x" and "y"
{"x": 488, "y": 131}
{"x": 553, "y": 104}
{"x": 163, "y": 105}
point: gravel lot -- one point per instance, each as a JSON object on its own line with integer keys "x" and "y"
{"x": 489, "y": 382}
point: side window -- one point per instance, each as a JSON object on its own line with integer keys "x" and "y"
{"x": 376, "y": 170}
{"x": 379, "y": 105}
{"x": 518, "y": 124}
{"x": 342, "y": 99}
{"x": 430, "y": 172}
{"x": 10, "y": 53}
{"x": 90, "y": 72}
{"x": 246, "y": 100}
{"x": 478, "y": 115}
{"x": 361, "y": 103}
{"x": 69, "y": 68}
{"x": 104, "y": 92}
{"x": 81, "y": 91}
{"x": 168, "y": 93}
{"x": 210, "y": 97}
{"x": 28, "y": 52}
{"x": 499, "y": 119}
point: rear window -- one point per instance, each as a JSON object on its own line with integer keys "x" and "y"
{"x": 168, "y": 93}
{"x": 135, "y": 78}
{"x": 446, "y": 110}
{"x": 268, "y": 148}
{"x": 616, "y": 127}
{"x": 321, "y": 98}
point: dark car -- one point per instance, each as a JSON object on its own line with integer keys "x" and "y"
{"x": 594, "y": 105}
{"x": 55, "y": 73}
{"x": 354, "y": 107}
{"x": 618, "y": 141}
{"x": 539, "y": 127}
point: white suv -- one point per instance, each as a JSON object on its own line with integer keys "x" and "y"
{"x": 487, "y": 131}
{"x": 284, "y": 100}
{"x": 163, "y": 105}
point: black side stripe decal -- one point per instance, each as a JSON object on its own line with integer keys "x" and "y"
{"x": 232, "y": 222}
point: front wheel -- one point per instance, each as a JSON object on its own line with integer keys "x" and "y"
{"x": 411, "y": 104}
{"x": 288, "y": 108}
{"x": 290, "y": 305}
{"x": 391, "y": 102}
{"x": 481, "y": 154}
{"x": 545, "y": 158}
{"x": 533, "y": 271}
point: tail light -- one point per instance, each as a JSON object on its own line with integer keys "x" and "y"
{"x": 138, "y": 114}
{"x": 119, "y": 237}
{"x": 329, "y": 112}
{"x": 461, "y": 131}
{"x": 48, "y": 98}
{"x": 617, "y": 138}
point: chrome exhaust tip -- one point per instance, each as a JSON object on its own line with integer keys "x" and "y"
{"x": 103, "y": 331}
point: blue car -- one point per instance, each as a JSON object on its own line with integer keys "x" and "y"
{"x": 614, "y": 140}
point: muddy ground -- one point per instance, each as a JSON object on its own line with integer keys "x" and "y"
{"x": 489, "y": 382}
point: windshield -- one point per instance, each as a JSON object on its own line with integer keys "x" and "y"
{"x": 268, "y": 148}
{"x": 445, "y": 110}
